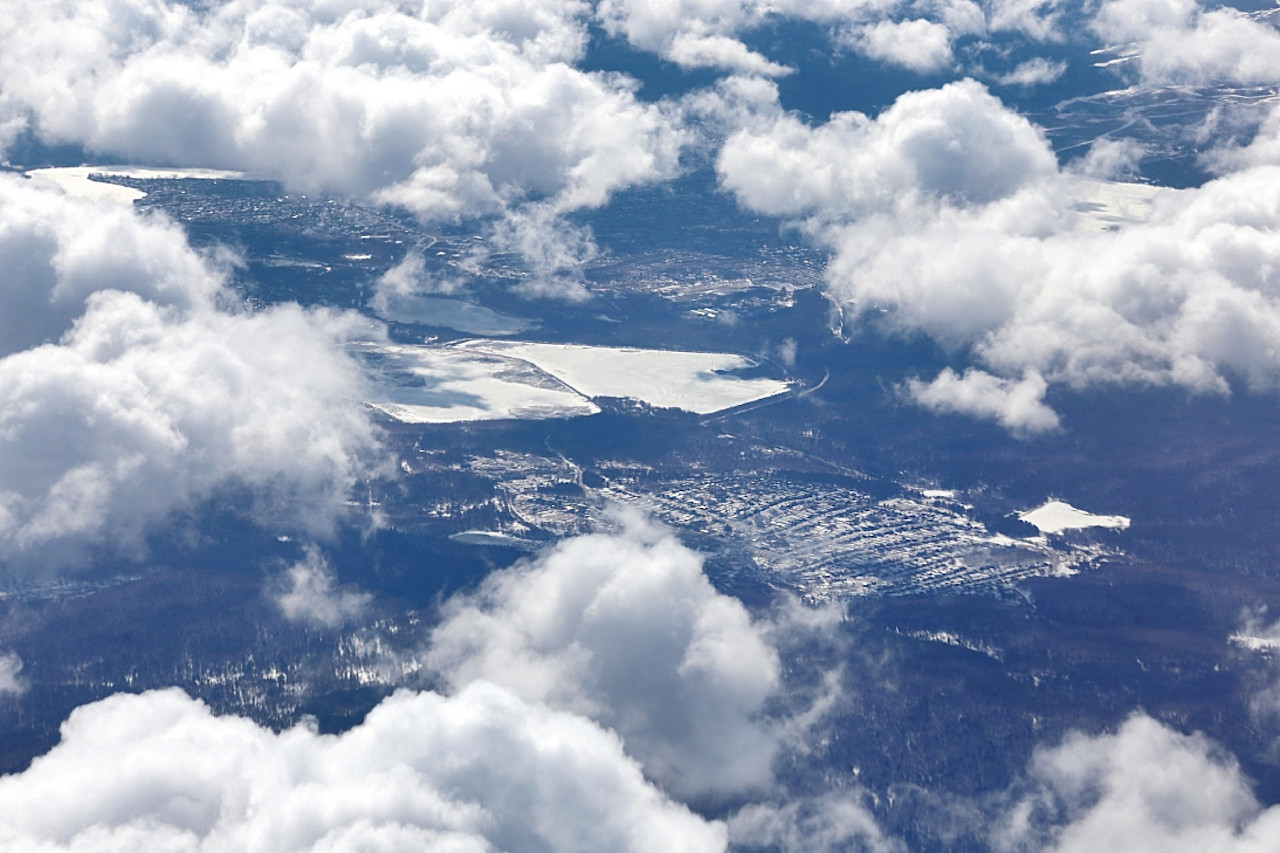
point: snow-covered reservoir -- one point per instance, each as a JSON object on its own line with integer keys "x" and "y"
{"x": 697, "y": 382}
{"x": 485, "y": 379}
{"x": 1057, "y": 516}
{"x": 75, "y": 180}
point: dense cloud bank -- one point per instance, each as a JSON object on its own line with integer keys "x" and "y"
{"x": 486, "y": 770}
{"x": 455, "y": 110}
{"x": 478, "y": 771}
{"x": 133, "y": 385}
{"x": 948, "y": 214}
{"x": 1180, "y": 42}
{"x": 470, "y": 110}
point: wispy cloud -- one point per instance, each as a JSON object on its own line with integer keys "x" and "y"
{"x": 309, "y": 593}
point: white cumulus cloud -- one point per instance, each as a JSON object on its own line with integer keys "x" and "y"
{"x": 1144, "y": 787}
{"x": 626, "y": 629}
{"x": 137, "y": 386}
{"x": 1033, "y": 72}
{"x": 1182, "y": 42}
{"x": 954, "y": 143}
{"x": 917, "y": 44}
{"x": 1017, "y": 405}
{"x": 455, "y": 110}
{"x": 478, "y": 771}
{"x": 948, "y": 214}
{"x": 57, "y": 251}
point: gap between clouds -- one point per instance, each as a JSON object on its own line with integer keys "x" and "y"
{"x": 559, "y": 754}
{"x": 603, "y": 643}
{"x": 918, "y": 36}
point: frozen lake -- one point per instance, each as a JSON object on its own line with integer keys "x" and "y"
{"x": 495, "y": 380}
{"x": 699, "y": 382}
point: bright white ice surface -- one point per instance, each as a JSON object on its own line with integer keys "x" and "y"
{"x": 436, "y": 385}
{"x": 1057, "y": 516}
{"x": 693, "y": 381}
{"x": 74, "y": 180}
{"x": 494, "y": 380}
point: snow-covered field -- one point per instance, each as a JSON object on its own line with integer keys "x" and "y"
{"x": 1057, "y": 516}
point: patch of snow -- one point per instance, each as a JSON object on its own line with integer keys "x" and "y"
{"x": 1056, "y": 516}
{"x": 485, "y": 379}
{"x": 948, "y": 638}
